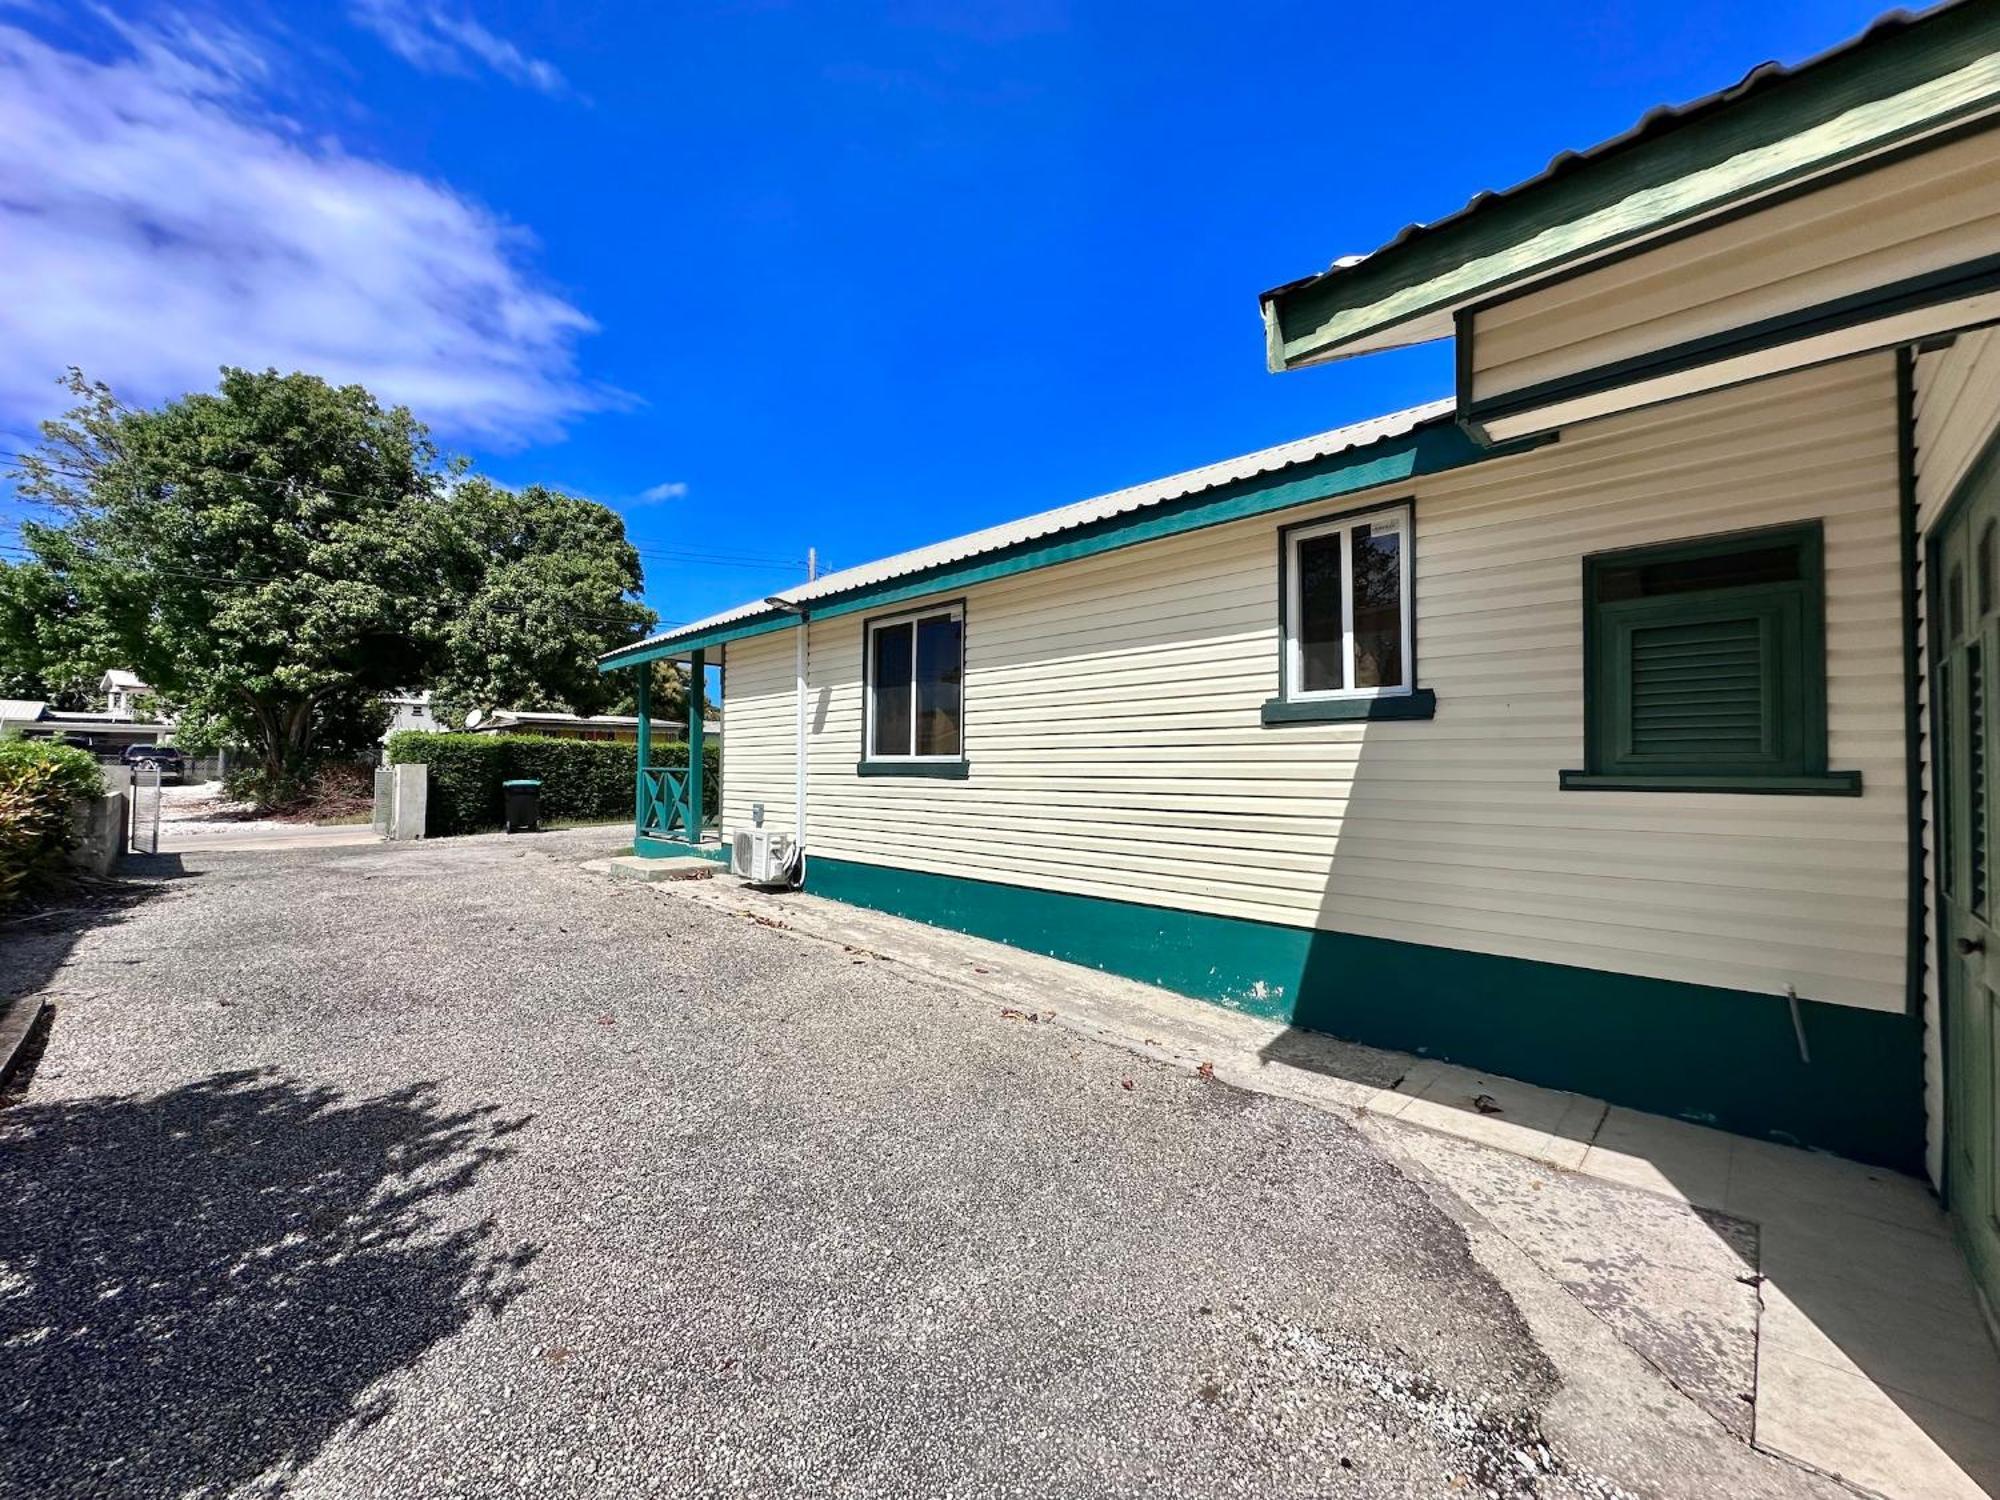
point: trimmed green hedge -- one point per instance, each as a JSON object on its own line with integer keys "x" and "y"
{"x": 39, "y": 783}
{"x": 584, "y": 781}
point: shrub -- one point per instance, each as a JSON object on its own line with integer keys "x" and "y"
{"x": 39, "y": 783}
{"x": 265, "y": 791}
{"x": 584, "y": 781}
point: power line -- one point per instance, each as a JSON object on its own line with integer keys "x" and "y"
{"x": 719, "y": 559}
{"x": 688, "y": 558}
{"x": 144, "y": 570}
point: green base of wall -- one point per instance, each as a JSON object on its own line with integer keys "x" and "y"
{"x": 1727, "y": 1058}
{"x": 651, "y": 847}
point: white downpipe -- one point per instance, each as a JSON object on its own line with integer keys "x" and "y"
{"x": 799, "y": 782}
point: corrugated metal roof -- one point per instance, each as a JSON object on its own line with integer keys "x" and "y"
{"x": 20, "y": 710}
{"x": 1068, "y": 517}
{"x": 1656, "y": 122}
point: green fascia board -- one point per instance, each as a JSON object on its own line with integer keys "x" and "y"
{"x": 1434, "y": 448}
{"x": 1720, "y": 1057}
{"x": 1943, "y": 69}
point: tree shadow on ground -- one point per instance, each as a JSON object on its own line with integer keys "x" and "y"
{"x": 38, "y": 936}
{"x": 203, "y": 1287}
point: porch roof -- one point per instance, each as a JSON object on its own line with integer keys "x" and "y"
{"x": 1362, "y": 455}
{"x": 1907, "y": 76}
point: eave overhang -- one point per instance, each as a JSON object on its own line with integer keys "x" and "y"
{"x": 1905, "y": 78}
{"x": 1434, "y": 445}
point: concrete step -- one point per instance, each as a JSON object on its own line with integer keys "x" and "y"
{"x": 652, "y": 871}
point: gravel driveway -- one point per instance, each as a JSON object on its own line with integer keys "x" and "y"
{"x": 451, "y": 1169}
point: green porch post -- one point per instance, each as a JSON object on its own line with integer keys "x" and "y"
{"x": 644, "y": 695}
{"x": 697, "y": 681}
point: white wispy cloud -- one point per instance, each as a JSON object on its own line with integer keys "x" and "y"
{"x": 160, "y": 219}
{"x": 441, "y": 40}
{"x": 673, "y": 489}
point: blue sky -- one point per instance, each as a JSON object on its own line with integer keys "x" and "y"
{"x": 768, "y": 276}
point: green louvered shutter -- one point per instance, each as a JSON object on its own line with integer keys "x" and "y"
{"x": 1705, "y": 659}
{"x": 1699, "y": 691}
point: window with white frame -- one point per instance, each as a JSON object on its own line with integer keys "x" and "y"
{"x": 916, "y": 676}
{"x": 1347, "y": 608}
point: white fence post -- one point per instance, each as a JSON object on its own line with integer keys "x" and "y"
{"x": 146, "y": 810}
{"x": 409, "y": 793}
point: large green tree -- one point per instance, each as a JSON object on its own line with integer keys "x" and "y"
{"x": 547, "y": 581}
{"x": 44, "y": 642}
{"x": 275, "y": 556}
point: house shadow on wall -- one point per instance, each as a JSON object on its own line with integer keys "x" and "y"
{"x": 205, "y": 1286}
{"x": 1832, "y": 1077}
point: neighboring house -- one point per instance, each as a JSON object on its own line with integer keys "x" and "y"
{"x": 17, "y": 713}
{"x": 1622, "y": 722}
{"x": 107, "y": 732}
{"x": 409, "y": 711}
{"x": 623, "y": 727}
{"x": 122, "y": 691}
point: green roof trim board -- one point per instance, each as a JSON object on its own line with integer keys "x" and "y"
{"x": 1433, "y": 447}
{"x": 1903, "y": 79}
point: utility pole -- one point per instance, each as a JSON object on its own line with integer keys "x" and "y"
{"x": 812, "y": 563}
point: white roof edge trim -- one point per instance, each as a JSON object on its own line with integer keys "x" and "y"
{"x": 1068, "y": 517}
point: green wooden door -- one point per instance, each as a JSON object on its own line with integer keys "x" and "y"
{"x": 1968, "y": 685}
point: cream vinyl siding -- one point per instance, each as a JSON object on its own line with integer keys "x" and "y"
{"x": 759, "y": 706}
{"x": 1112, "y": 723}
{"x": 1957, "y": 412}
{"x": 1932, "y": 211}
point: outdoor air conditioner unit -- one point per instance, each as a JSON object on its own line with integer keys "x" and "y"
{"x": 761, "y": 856}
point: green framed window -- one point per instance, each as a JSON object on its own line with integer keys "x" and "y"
{"x": 1705, "y": 667}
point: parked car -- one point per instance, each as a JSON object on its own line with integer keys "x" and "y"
{"x": 172, "y": 764}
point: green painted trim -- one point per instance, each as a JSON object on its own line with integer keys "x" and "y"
{"x": 651, "y": 846}
{"x": 1976, "y": 473}
{"x": 1971, "y": 278}
{"x": 1544, "y": 222}
{"x": 1421, "y": 704}
{"x": 1933, "y": 546}
{"x": 1832, "y": 784}
{"x": 1818, "y": 182}
{"x": 1464, "y": 336}
{"x": 1434, "y": 448}
{"x": 1913, "y": 718}
{"x": 939, "y": 770}
{"x": 1727, "y": 1058}
{"x": 1795, "y": 686}
{"x": 642, "y": 697}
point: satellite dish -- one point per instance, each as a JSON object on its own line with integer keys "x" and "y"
{"x": 472, "y": 719}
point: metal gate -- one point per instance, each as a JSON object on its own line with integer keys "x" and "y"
{"x": 146, "y": 810}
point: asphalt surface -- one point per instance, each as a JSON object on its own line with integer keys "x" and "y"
{"x": 454, "y": 1170}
